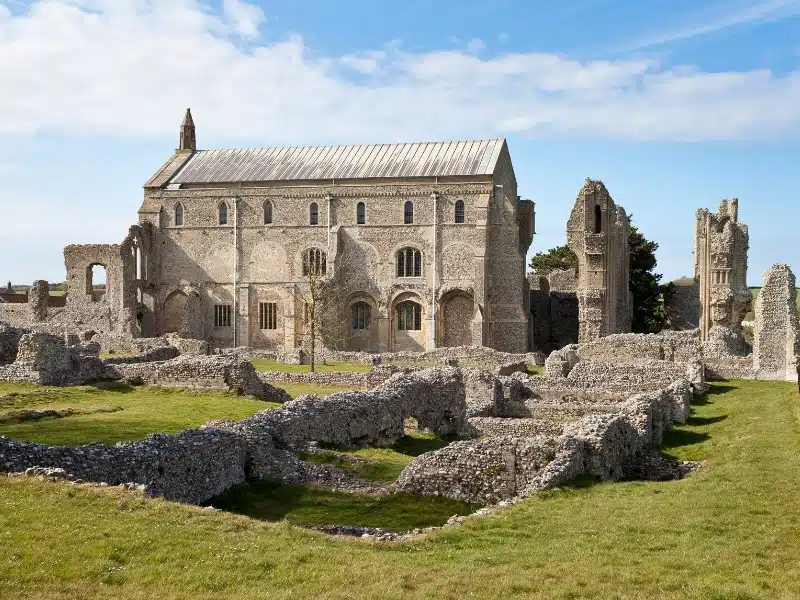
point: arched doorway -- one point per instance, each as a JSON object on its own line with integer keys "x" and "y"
{"x": 172, "y": 317}
{"x": 455, "y": 319}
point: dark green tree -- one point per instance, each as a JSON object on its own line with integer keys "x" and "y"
{"x": 649, "y": 296}
{"x": 555, "y": 258}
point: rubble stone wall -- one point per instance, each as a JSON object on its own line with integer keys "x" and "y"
{"x": 775, "y": 336}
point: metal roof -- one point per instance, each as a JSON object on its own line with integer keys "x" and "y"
{"x": 365, "y": 161}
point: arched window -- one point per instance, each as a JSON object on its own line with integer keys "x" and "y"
{"x": 408, "y": 212}
{"x": 459, "y": 211}
{"x": 267, "y": 212}
{"x": 598, "y": 219}
{"x": 361, "y": 213}
{"x": 409, "y": 262}
{"x": 409, "y": 316}
{"x": 313, "y": 214}
{"x": 315, "y": 262}
{"x": 361, "y": 312}
{"x": 223, "y": 213}
{"x": 178, "y": 215}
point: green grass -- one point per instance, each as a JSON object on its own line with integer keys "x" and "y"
{"x": 295, "y": 390}
{"x": 727, "y": 532}
{"x": 116, "y": 412}
{"x": 383, "y": 465}
{"x": 305, "y": 505}
{"x": 264, "y": 364}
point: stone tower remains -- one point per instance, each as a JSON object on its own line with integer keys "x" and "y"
{"x": 598, "y": 232}
{"x": 721, "y": 242}
{"x": 775, "y": 342}
{"x": 188, "y": 139}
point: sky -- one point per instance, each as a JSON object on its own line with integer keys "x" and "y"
{"x": 673, "y": 104}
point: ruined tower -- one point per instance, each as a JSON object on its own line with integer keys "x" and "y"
{"x": 721, "y": 242}
{"x": 598, "y": 232}
{"x": 188, "y": 141}
{"x": 775, "y": 336}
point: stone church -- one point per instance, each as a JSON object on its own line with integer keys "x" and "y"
{"x": 427, "y": 242}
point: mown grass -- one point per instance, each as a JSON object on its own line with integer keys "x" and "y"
{"x": 729, "y": 531}
{"x": 295, "y": 390}
{"x": 306, "y": 505}
{"x": 116, "y": 412}
{"x": 265, "y": 364}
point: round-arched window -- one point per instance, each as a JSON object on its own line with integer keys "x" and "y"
{"x": 459, "y": 211}
{"x": 408, "y": 212}
{"x": 223, "y": 214}
{"x": 313, "y": 214}
{"x": 409, "y": 316}
{"x": 409, "y": 262}
{"x": 267, "y": 212}
{"x": 361, "y": 314}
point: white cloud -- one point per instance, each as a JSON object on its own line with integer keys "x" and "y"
{"x": 475, "y": 45}
{"x": 246, "y": 18}
{"x": 722, "y": 18}
{"x": 130, "y": 67}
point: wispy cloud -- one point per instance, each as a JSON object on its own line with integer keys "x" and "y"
{"x": 70, "y": 70}
{"x": 724, "y": 16}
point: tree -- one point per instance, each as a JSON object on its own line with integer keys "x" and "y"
{"x": 554, "y": 259}
{"x": 649, "y": 296}
{"x": 321, "y": 297}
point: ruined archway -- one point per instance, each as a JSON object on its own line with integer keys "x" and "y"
{"x": 455, "y": 319}
{"x": 172, "y": 316}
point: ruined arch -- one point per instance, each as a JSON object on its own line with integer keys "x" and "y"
{"x": 454, "y": 322}
{"x": 172, "y": 314}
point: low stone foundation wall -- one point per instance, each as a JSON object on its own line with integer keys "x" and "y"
{"x": 157, "y": 354}
{"x": 45, "y": 359}
{"x": 190, "y": 466}
{"x": 200, "y": 372}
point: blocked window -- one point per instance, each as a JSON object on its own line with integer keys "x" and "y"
{"x": 222, "y": 315}
{"x": 223, "y": 214}
{"x": 361, "y": 313}
{"x": 409, "y": 262}
{"x": 267, "y": 212}
{"x": 313, "y": 216}
{"x": 315, "y": 262}
{"x": 179, "y": 215}
{"x": 459, "y": 211}
{"x": 361, "y": 213}
{"x": 408, "y": 212}
{"x": 409, "y": 316}
{"x": 268, "y": 315}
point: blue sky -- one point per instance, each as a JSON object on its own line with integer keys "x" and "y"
{"x": 674, "y": 104}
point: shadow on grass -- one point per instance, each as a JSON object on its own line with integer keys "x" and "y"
{"x": 414, "y": 446}
{"x": 719, "y": 388}
{"x": 311, "y": 505}
{"x": 121, "y": 387}
{"x": 676, "y": 438}
{"x": 700, "y": 421}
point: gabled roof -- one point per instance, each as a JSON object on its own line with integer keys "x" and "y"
{"x": 364, "y": 161}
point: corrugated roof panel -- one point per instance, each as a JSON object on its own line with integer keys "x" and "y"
{"x": 363, "y": 161}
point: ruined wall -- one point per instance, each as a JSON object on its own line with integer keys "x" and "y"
{"x": 554, "y": 310}
{"x": 598, "y": 232}
{"x": 720, "y": 267}
{"x": 775, "y": 335}
{"x": 683, "y": 305}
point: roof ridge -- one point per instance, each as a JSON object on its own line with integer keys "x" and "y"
{"x": 257, "y": 148}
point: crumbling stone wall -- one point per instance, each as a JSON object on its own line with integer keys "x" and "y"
{"x": 554, "y": 310}
{"x": 190, "y": 466}
{"x": 775, "y": 339}
{"x": 720, "y": 267}
{"x": 682, "y": 306}
{"x": 45, "y": 359}
{"x": 598, "y": 232}
{"x": 38, "y": 300}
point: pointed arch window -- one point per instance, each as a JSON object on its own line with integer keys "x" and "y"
{"x": 459, "y": 211}
{"x": 179, "y": 215}
{"x": 267, "y": 212}
{"x": 409, "y": 262}
{"x": 315, "y": 262}
{"x": 408, "y": 212}
{"x": 223, "y": 213}
{"x": 313, "y": 214}
{"x": 361, "y": 213}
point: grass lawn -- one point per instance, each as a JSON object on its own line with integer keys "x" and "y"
{"x": 727, "y": 532}
{"x": 117, "y": 412}
{"x": 264, "y": 364}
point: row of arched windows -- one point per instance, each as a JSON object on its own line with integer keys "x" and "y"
{"x": 409, "y": 262}
{"x": 313, "y": 213}
{"x": 408, "y": 315}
